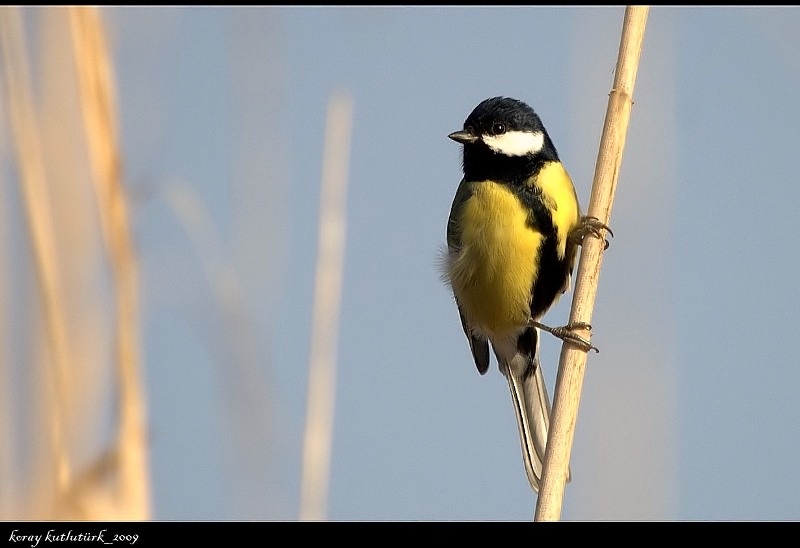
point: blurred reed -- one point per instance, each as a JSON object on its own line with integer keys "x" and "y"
{"x": 37, "y": 201}
{"x": 325, "y": 315}
{"x": 99, "y": 102}
{"x": 67, "y": 160}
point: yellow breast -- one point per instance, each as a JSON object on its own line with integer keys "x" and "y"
{"x": 493, "y": 274}
{"x": 559, "y": 193}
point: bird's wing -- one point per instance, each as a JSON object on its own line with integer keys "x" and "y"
{"x": 478, "y": 345}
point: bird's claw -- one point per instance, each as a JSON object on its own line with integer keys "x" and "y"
{"x": 565, "y": 333}
{"x": 590, "y": 225}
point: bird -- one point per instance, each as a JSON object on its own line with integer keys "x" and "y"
{"x": 512, "y": 235}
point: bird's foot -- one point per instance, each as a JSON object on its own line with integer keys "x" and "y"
{"x": 590, "y": 225}
{"x": 565, "y": 333}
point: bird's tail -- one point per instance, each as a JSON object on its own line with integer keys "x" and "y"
{"x": 531, "y": 404}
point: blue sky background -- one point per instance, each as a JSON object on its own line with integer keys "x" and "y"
{"x": 689, "y": 411}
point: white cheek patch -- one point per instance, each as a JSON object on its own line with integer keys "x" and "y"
{"x": 515, "y": 143}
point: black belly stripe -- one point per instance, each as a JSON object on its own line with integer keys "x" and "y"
{"x": 552, "y": 276}
{"x": 553, "y": 272}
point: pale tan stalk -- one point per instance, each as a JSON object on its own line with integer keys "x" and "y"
{"x": 97, "y": 95}
{"x": 325, "y": 316}
{"x": 27, "y": 144}
{"x": 573, "y": 359}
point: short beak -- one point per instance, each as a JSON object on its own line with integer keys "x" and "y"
{"x": 464, "y": 137}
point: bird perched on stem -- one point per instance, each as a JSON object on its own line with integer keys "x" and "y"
{"x": 512, "y": 237}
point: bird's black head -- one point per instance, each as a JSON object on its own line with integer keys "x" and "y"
{"x": 503, "y": 135}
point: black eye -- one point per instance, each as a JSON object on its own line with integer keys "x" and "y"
{"x": 498, "y": 128}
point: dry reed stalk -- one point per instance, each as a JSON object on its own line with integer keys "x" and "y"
{"x": 98, "y": 100}
{"x": 573, "y": 360}
{"x": 325, "y": 316}
{"x": 7, "y": 396}
{"x": 38, "y": 216}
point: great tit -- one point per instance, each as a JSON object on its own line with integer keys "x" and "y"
{"x": 512, "y": 236}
